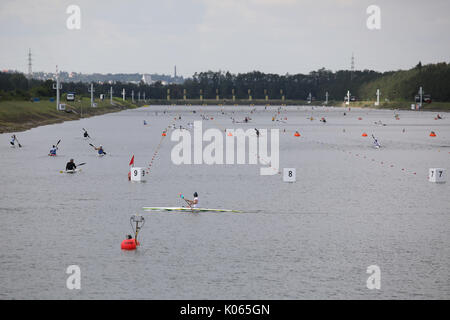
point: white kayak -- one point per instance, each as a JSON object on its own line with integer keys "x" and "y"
{"x": 71, "y": 171}
{"x": 185, "y": 209}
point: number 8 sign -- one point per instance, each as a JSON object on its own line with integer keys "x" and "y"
{"x": 289, "y": 175}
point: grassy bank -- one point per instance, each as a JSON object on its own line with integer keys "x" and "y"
{"x": 23, "y": 115}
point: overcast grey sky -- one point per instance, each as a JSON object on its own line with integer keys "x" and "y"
{"x": 277, "y": 36}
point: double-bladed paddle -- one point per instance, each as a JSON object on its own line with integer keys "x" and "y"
{"x": 95, "y": 147}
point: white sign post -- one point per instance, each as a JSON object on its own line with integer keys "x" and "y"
{"x": 289, "y": 175}
{"x": 436, "y": 175}
{"x": 137, "y": 174}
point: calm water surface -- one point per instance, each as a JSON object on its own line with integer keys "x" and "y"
{"x": 352, "y": 206}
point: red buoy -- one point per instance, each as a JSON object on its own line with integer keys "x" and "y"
{"x": 129, "y": 244}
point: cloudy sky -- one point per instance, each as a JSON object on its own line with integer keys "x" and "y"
{"x": 277, "y": 36}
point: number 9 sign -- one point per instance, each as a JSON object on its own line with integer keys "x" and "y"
{"x": 137, "y": 174}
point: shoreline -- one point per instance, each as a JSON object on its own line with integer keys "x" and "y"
{"x": 19, "y": 116}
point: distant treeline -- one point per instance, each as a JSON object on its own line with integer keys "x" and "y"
{"x": 394, "y": 85}
{"x": 113, "y": 77}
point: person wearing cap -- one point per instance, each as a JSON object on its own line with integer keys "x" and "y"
{"x": 70, "y": 165}
{"x": 193, "y": 203}
{"x": 100, "y": 150}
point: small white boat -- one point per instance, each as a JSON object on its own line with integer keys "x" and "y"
{"x": 71, "y": 171}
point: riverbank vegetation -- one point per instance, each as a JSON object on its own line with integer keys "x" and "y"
{"x": 25, "y": 103}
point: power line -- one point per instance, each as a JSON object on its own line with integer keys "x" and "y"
{"x": 352, "y": 67}
{"x": 30, "y": 70}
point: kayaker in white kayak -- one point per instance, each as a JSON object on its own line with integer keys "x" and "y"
{"x": 70, "y": 165}
{"x": 193, "y": 203}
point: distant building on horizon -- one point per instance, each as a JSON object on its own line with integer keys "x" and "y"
{"x": 147, "y": 79}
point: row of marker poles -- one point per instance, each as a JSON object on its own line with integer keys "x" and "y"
{"x": 156, "y": 150}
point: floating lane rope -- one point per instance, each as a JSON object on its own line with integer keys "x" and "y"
{"x": 156, "y": 150}
{"x": 382, "y": 163}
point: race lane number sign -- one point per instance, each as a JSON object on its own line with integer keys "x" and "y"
{"x": 289, "y": 175}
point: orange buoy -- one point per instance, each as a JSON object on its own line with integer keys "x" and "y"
{"x": 229, "y": 134}
{"x": 297, "y": 134}
{"x": 432, "y": 134}
{"x": 163, "y": 134}
{"x": 129, "y": 244}
{"x": 359, "y": 118}
{"x": 364, "y": 134}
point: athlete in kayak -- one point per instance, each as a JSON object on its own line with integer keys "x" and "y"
{"x": 85, "y": 134}
{"x": 70, "y": 165}
{"x": 375, "y": 142}
{"x": 100, "y": 150}
{"x": 53, "y": 151}
{"x": 193, "y": 203}
{"x": 13, "y": 139}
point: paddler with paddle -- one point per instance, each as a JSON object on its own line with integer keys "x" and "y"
{"x": 13, "y": 141}
{"x": 191, "y": 203}
{"x": 85, "y": 134}
{"x": 52, "y": 152}
{"x": 70, "y": 166}
{"x": 99, "y": 149}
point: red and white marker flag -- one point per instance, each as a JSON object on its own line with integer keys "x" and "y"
{"x": 132, "y": 161}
